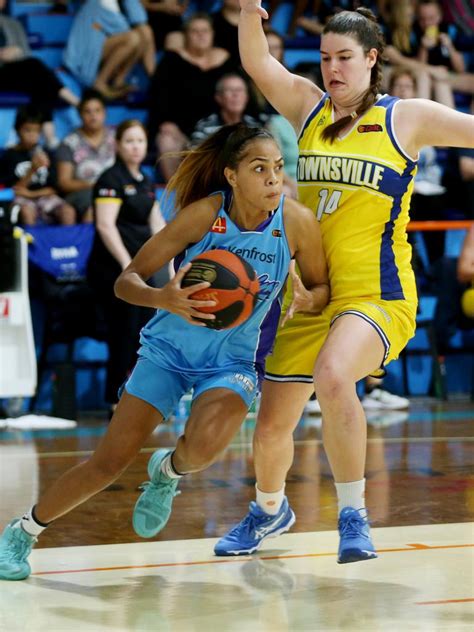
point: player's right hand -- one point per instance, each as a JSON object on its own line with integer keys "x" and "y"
{"x": 253, "y": 6}
{"x": 177, "y": 299}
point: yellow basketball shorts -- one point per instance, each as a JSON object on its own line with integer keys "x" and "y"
{"x": 299, "y": 342}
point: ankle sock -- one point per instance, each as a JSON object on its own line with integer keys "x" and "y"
{"x": 351, "y": 495}
{"x": 168, "y": 468}
{"x": 270, "y": 502}
{"x": 30, "y": 523}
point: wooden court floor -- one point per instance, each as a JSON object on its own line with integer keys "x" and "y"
{"x": 92, "y": 573}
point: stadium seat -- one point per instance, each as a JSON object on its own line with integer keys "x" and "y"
{"x": 53, "y": 29}
{"x": 7, "y": 121}
{"x": 50, "y": 56}
{"x": 294, "y": 56}
{"x": 281, "y": 18}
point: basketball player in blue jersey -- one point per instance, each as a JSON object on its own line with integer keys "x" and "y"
{"x": 358, "y": 155}
{"x": 228, "y": 194}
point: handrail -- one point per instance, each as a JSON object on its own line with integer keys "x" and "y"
{"x": 431, "y": 225}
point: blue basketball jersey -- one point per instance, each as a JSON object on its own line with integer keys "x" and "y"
{"x": 171, "y": 342}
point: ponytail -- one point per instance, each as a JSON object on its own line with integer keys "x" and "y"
{"x": 362, "y": 25}
{"x": 202, "y": 170}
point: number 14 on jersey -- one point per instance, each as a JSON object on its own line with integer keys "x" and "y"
{"x": 327, "y": 203}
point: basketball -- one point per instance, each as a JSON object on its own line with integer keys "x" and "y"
{"x": 234, "y": 287}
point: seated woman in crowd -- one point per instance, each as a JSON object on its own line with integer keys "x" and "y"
{"x": 104, "y": 45}
{"x": 27, "y": 168}
{"x": 20, "y": 72}
{"x": 125, "y": 215}
{"x": 404, "y": 49}
{"x": 84, "y": 154}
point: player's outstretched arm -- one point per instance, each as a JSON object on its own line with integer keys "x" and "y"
{"x": 189, "y": 226}
{"x": 290, "y": 95}
{"x": 419, "y": 122}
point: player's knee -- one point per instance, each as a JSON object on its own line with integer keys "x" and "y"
{"x": 267, "y": 431}
{"x": 329, "y": 378}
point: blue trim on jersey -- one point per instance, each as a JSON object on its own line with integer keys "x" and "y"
{"x": 316, "y": 110}
{"x": 390, "y": 285}
{"x": 388, "y": 103}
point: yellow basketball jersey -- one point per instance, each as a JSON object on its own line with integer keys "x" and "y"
{"x": 359, "y": 188}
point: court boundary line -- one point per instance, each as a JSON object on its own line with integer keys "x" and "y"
{"x": 245, "y": 558}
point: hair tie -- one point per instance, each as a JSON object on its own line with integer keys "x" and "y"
{"x": 354, "y": 115}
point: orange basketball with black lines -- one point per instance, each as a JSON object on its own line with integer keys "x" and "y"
{"x": 234, "y": 287}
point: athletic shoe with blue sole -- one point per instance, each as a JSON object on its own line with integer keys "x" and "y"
{"x": 153, "y": 508}
{"x": 355, "y": 544}
{"x": 257, "y": 526}
{"x": 15, "y": 546}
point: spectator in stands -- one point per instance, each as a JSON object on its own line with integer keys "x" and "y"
{"x": 84, "y": 154}
{"x": 20, "y": 72}
{"x": 465, "y": 269}
{"x": 125, "y": 215}
{"x": 402, "y": 50}
{"x": 182, "y": 90}
{"x": 225, "y": 23}
{"x": 27, "y": 168}
{"x": 454, "y": 311}
{"x": 102, "y": 48}
{"x": 466, "y": 170}
{"x": 165, "y": 19}
{"x": 429, "y": 195}
{"x": 232, "y": 98}
{"x": 435, "y": 45}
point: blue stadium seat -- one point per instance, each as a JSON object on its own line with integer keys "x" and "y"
{"x": 65, "y": 120}
{"x": 25, "y": 8}
{"x": 281, "y": 18}
{"x": 7, "y": 120}
{"x": 294, "y": 56}
{"x": 52, "y": 57}
{"x": 453, "y": 243}
{"x": 53, "y": 29}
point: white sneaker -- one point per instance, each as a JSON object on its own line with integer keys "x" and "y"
{"x": 379, "y": 398}
{"x": 312, "y": 407}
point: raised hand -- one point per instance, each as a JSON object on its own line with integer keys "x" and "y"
{"x": 253, "y": 6}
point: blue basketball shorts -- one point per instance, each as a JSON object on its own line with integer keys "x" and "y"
{"x": 163, "y": 388}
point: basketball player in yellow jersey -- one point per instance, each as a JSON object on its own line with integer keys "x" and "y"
{"x": 358, "y": 154}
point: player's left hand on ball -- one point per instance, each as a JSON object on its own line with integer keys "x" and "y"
{"x": 177, "y": 299}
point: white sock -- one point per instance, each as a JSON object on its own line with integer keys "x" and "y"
{"x": 351, "y": 495}
{"x": 29, "y": 523}
{"x": 167, "y": 467}
{"x": 270, "y": 502}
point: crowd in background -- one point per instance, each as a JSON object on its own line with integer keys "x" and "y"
{"x": 193, "y": 84}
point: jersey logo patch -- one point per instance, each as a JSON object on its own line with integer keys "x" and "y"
{"x": 219, "y": 226}
{"x": 375, "y": 127}
{"x": 276, "y": 232}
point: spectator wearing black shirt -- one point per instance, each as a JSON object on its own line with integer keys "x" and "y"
{"x": 225, "y": 24}
{"x": 182, "y": 89}
{"x": 27, "y": 168}
{"x": 435, "y": 46}
{"x": 125, "y": 215}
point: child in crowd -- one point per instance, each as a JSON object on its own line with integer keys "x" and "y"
{"x": 27, "y": 168}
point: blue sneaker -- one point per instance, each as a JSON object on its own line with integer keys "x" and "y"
{"x": 355, "y": 544}
{"x": 15, "y": 546}
{"x": 153, "y": 508}
{"x": 248, "y": 535}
